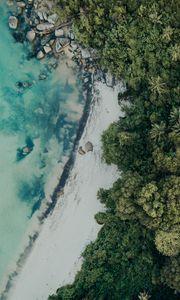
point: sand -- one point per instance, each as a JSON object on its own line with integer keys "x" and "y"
{"x": 56, "y": 255}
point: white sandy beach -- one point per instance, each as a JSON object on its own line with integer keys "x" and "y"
{"x": 56, "y": 255}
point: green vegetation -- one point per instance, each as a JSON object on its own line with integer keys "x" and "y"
{"x": 138, "y": 248}
{"x": 119, "y": 265}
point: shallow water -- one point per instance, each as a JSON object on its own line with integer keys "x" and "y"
{"x": 48, "y": 111}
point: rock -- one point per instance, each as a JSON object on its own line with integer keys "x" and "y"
{"x": 85, "y": 53}
{"x": 74, "y": 46}
{"x": 64, "y": 41}
{"x": 86, "y": 80}
{"x": 45, "y": 16}
{"x": 40, "y": 55}
{"x": 22, "y": 85}
{"x": 19, "y": 36}
{"x": 88, "y": 146}
{"x": 81, "y": 151}
{"x": 21, "y": 4}
{"x": 44, "y": 26}
{"x": 27, "y": 84}
{"x": 59, "y": 32}
{"x": 71, "y": 36}
{"x": 52, "y": 18}
{"x": 36, "y": 21}
{"x": 13, "y": 22}
{"x": 51, "y": 42}
{"x": 60, "y": 193}
{"x": 30, "y": 35}
{"x": 42, "y": 76}
{"x": 44, "y": 40}
{"x": 58, "y": 46}
{"x": 109, "y": 80}
{"x": 47, "y": 49}
{"x": 40, "y": 15}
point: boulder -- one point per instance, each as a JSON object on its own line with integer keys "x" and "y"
{"x": 13, "y": 22}
{"x": 45, "y": 16}
{"x": 51, "y": 42}
{"x": 58, "y": 46}
{"x": 44, "y": 26}
{"x": 59, "y": 32}
{"x": 64, "y": 41}
{"x": 52, "y": 18}
{"x": 40, "y": 55}
{"x": 88, "y": 146}
{"x": 47, "y": 49}
{"x": 71, "y": 36}
{"x": 30, "y": 35}
{"x": 74, "y": 46}
{"x": 86, "y": 80}
{"x": 81, "y": 151}
{"x": 40, "y": 15}
{"x": 21, "y": 4}
{"x": 85, "y": 53}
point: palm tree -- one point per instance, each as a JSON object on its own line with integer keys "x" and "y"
{"x": 155, "y": 18}
{"x": 175, "y": 120}
{"x": 157, "y": 86}
{"x": 143, "y": 296}
{"x": 167, "y": 33}
{"x": 175, "y": 52}
{"x": 158, "y": 132}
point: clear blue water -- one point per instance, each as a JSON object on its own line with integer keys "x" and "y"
{"x": 47, "y": 111}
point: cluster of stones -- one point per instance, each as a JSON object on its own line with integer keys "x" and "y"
{"x": 35, "y": 22}
{"x": 88, "y": 147}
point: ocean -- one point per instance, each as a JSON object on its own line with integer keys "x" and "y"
{"x": 38, "y": 117}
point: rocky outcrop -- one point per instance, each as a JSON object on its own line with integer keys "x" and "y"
{"x": 35, "y": 21}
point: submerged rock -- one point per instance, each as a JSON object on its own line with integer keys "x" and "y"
{"x": 42, "y": 76}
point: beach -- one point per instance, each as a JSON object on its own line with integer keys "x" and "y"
{"x": 55, "y": 256}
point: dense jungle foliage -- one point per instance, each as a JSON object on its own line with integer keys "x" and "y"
{"x": 137, "y": 253}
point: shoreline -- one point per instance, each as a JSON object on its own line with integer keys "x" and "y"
{"x": 50, "y": 201}
{"x": 64, "y": 169}
{"x": 57, "y": 205}
{"x": 70, "y": 162}
{"x": 49, "y": 206}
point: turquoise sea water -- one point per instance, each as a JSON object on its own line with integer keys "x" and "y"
{"x": 47, "y": 111}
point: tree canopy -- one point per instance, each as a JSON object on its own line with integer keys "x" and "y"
{"x": 137, "y": 41}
